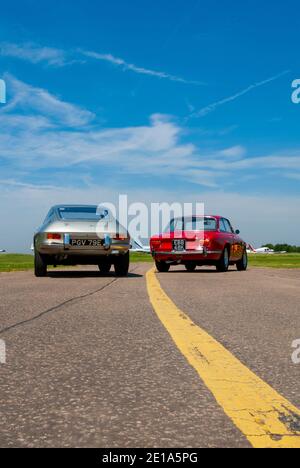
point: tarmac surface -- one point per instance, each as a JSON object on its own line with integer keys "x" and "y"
{"x": 89, "y": 363}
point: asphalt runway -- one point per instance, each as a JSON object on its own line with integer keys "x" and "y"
{"x": 90, "y": 364}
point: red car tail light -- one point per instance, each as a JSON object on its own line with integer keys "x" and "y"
{"x": 155, "y": 244}
{"x": 206, "y": 242}
{"x": 51, "y": 236}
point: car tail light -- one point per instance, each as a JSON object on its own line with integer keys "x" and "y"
{"x": 206, "y": 242}
{"x": 155, "y": 244}
{"x": 51, "y": 236}
{"x": 120, "y": 237}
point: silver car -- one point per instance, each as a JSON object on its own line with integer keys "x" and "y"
{"x": 81, "y": 235}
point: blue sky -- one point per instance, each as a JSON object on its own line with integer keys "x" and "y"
{"x": 165, "y": 101}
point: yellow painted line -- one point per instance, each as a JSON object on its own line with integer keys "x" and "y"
{"x": 266, "y": 418}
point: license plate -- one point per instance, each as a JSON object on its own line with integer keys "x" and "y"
{"x": 179, "y": 245}
{"x": 86, "y": 242}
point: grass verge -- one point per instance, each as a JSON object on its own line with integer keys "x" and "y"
{"x": 15, "y": 262}
{"x": 275, "y": 261}
{"x": 19, "y": 262}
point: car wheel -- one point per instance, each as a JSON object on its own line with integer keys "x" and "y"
{"x": 162, "y": 267}
{"x": 122, "y": 265}
{"x": 40, "y": 265}
{"x": 190, "y": 267}
{"x": 223, "y": 264}
{"x": 105, "y": 267}
{"x": 242, "y": 264}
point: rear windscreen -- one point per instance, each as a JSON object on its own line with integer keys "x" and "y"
{"x": 193, "y": 224}
{"x": 80, "y": 213}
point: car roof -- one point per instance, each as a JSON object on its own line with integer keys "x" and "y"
{"x": 58, "y": 207}
{"x": 201, "y": 216}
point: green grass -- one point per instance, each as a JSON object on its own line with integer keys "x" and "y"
{"x": 140, "y": 257}
{"x": 15, "y": 262}
{"x": 275, "y": 261}
{"x": 18, "y": 262}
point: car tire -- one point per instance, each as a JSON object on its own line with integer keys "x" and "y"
{"x": 190, "y": 267}
{"x": 104, "y": 267}
{"x": 223, "y": 263}
{"x": 40, "y": 265}
{"x": 242, "y": 264}
{"x": 162, "y": 267}
{"x": 122, "y": 265}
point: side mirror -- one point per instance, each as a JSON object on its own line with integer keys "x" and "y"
{"x": 237, "y": 232}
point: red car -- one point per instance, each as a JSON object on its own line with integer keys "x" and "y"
{"x": 197, "y": 241}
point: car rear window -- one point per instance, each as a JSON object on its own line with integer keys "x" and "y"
{"x": 193, "y": 224}
{"x": 80, "y": 213}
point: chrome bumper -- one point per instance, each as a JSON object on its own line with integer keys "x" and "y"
{"x": 189, "y": 252}
{"x": 67, "y": 250}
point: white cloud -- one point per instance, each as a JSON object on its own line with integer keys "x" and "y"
{"x": 50, "y": 56}
{"x": 126, "y": 66}
{"x": 284, "y": 161}
{"x": 42, "y": 103}
{"x": 39, "y": 131}
{"x": 234, "y": 152}
{"x": 295, "y": 176}
{"x": 34, "y": 53}
{"x": 37, "y": 138}
{"x": 212, "y": 107}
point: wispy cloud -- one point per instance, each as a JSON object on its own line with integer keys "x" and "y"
{"x": 50, "y": 56}
{"x": 41, "y": 106}
{"x": 41, "y": 134}
{"x": 235, "y": 152}
{"x": 295, "y": 176}
{"x": 212, "y": 107}
{"x": 126, "y": 66}
{"x": 15, "y": 184}
{"x": 34, "y": 53}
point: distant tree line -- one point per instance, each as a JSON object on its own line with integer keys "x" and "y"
{"x": 283, "y": 248}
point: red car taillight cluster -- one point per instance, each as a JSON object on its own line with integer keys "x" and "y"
{"x": 155, "y": 244}
{"x": 51, "y": 236}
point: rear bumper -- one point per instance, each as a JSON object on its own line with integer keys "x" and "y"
{"x": 60, "y": 250}
{"x": 204, "y": 256}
